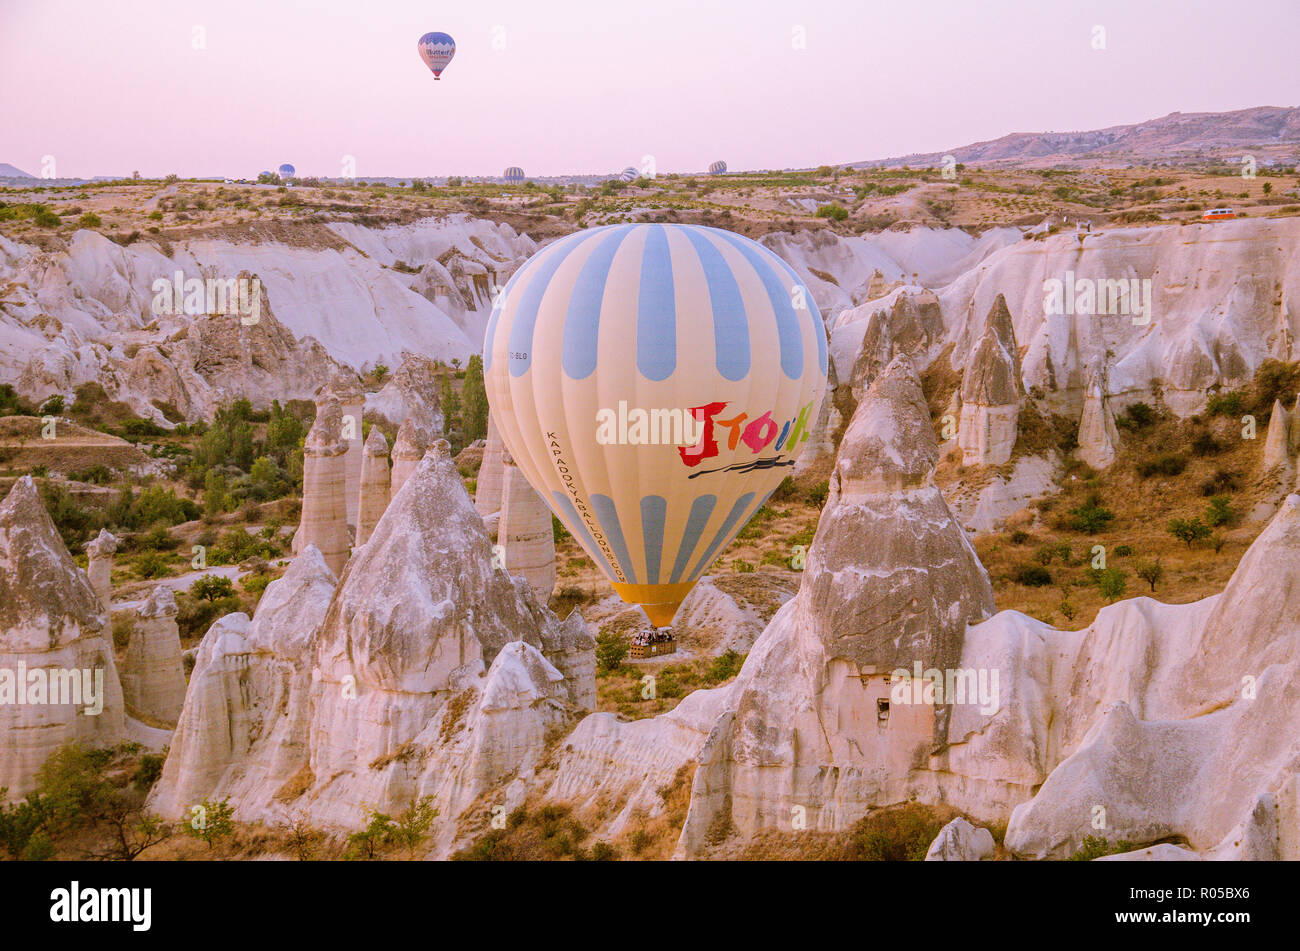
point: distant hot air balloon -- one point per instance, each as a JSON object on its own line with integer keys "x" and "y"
{"x": 629, "y": 174}
{"x": 655, "y": 383}
{"x": 718, "y": 168}
{"x": 286, "y": 170}
{"x": 437, "y": 49}
{"x": 514, "y": 174}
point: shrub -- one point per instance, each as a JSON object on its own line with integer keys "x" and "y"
{"x": 1091, "y": 517}
{"x": 53, "y": 406}
{"x": 210, "y": 821}
{"x": 785, "y": 491}
{"x": 1225, "y": 404}
{"x": 1034, "y": 576}
{"x": 1095, "y": 846}
{"x": 1151, "y": 572}
{"x": 611, "y": 649}
{"x": 1111, "y": 582}
{"x": 1188, "y": 530}
{"x": 212, "y": 588}
{"x": 1123, "y": 551}
{"x": 1019, "y": 537}
{"x": 818, "y": 493}
{"x": 89, "y": 220}
{"x": 1137, "y": 416}
{"x": 1223, "y": 480}
{"x": 1205, "y": 445}
{"x": 1220, "y": 512}
{"x": 1166, "y": 464}
{"x": 834, "y": 211}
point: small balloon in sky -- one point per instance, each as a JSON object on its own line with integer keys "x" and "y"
{"x": 286, "y": 170}
{"x": 629, "y": 174}
{"x": 437, "y": 49}
{"x": 718, "y": 168}
{"x": 514, "y": 174}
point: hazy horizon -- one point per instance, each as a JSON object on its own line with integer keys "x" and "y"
{"x": 589, "y": 90}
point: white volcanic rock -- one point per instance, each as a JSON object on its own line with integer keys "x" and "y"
{"x": 488, "y": 487}
{"x": 346, "y": 388}
{"x": 414, "y": 438}
{"x": 991, "y": 391}
{"x": 99, "y": 566}
{"x": 375, "y": 485}
{"x": 324, "y": 508}
{"x": 907, "y": 322}
{"x": 525, "y": 532}
{"x": 959, "y": 841}
{"x": 153, "y": 678}
{"x": 1223, "y": 299}
{"x": 1098, "y": 436}
{"x": 51, "y": 622}
{"x": 246, "y": 717}
{"x": 413, "y": 388}
{"x": 1277, "y": 445}
{"x": 410, "y": 680}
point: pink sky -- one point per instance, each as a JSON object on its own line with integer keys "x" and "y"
{"x": 584, "y": 87}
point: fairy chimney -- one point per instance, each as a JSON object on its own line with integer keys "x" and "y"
{"x": 991, "y": 390}
{"x": 487, "y": 492}
{"x": 352, "y": 401}
{"x": 525, "y": 532}
{"x": 153, "y": 680}
{"x": 324, "y": 509}
{"x": 375, "y": 480}
{"x": 99, "y": 568}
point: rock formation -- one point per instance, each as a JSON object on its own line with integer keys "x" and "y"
{"x": 414, "y": 437}
{"x": 427, "y": 672}
{"x": 352, "y": 400}
{"x": 413, "y": 388}
{"x": 1281, "y": 435}
{"x": 99, "y": 566}
{"x": 375, "y": 485}
{"x": 153, "y": 679}
{"x": 324, "y": 511}
{"x": 488, "y": 488}
{"x": 1098, "y": 437}
{"x": 58, "y": 682}
{"x": 959, "y": 841}
{"x": 525, "y": 532}
{"x": 991, "y": 390}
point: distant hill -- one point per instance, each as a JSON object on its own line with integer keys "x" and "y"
{"x": 9, "y": 171}
{"x": 1269, "y": 133}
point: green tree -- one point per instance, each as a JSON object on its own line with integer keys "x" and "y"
{"x": 211, "y": 821}
{"x": 1220, "y": 512}
{"x": 1091, "y": 517}
{"x": 215, "y": 497}
{"x": 1111, "y": 582}
{"x": 1151, "y": 572}
{"x": 474, "y": 412}
{"x": 611, "y": 649}
{"x": 411, "y": 827}
{"x": 1188, "y": 530}
{"x": 212, "y": 587}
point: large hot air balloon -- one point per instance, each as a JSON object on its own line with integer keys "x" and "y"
{"x": 437, "y": 49}
{"x": 629, "y": 174}
{"x": 286, "y": 171}
{"x": 655, "y": 383}
{"x": 514, "y": 174}
{"x": 718, "y": 168}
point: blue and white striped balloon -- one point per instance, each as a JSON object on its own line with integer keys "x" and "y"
{"x": 718, "y": 168}
{"x": 513, "y": 174}
{"x": 629, "y": 174}
{"x": 655, "y": 383}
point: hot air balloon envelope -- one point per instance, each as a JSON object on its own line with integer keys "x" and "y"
{"x": 286, "y": 170}
{"x": 629, "y": 174}
{"x": 718, "y": 168}
{"x": 655, "y": 383}
{"x": 513, "y": 174}
{"x": 437, "y": 49}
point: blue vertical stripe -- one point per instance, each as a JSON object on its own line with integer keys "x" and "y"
{"x": 654, "y": 509}
{"x": 607, "y": 515}
{"x": 582, "y": 322}
{"x": 656, "y": 319}
{"x": 725, "y": 534}
{"x": 701, "y": 509}
{"x": 730, "y": 323}
{"x": 787, "y": 321}
{"x": 530, "y": 300}
{"x": 818, "y": 325}
{"x": 491, "y": 332}
{"x": 565, "y": 505}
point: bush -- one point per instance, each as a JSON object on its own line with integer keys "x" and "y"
{"x": 899, "y": 834}
{"x": 212, "y": 588}
{"x": 818, "y": 493}
{"x": 1151, "y": 572}
{"x": 1225, "y": 404}
{"x": 1095, "y": 846}
{"x": 1034, "y": 576}
{"x": 1137, "y": 416}
{"x": 1166, "y": 464}
{"x": 1188, "y": 530}
{"x": 785, "y": 491}
{"x": 1091, "y": 517}
{"x": 1123, "y": 551}
{"x": 1111, "y": 582}
{"x": 834, "y": 211}
{"x": 89, "y": 220}
{"x": 1220, "y": 512}
{"x": 1223, "y": 480}
{"x": 611, "y": 649}
{"x": 1205, "y": 445}
{"x": 53, "y": 406}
